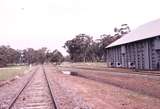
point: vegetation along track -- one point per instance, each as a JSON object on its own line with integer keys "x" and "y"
{"x": 36, "y": 93}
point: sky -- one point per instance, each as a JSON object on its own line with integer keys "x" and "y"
{"x": 49, "y": 23}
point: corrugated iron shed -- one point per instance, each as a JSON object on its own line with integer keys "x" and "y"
{"x": 149, "y": 30}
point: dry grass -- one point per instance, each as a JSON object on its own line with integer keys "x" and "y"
{"x": 86, "y": 65}
{"x": 9, "y": 72}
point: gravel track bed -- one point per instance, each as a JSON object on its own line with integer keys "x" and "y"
{"x": 9, "y": 90}
{"x": 64, "y": 97}
{"x": 36, "y": 95}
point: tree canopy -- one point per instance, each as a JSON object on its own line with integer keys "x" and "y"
{"x": 83, "y": 48}
{"x": 9, "y": 55}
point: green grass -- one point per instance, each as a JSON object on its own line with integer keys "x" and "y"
{"x": 12, "y": 71}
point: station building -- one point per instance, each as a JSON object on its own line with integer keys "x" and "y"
{"x": 139, "y": 49}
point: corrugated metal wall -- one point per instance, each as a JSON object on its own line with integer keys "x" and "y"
{"x": 143, "y": 54}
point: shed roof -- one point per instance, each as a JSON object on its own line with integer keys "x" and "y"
{"x": 148, "y": 30}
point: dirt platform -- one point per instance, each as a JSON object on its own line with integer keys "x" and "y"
{"x": 101, "y": 95}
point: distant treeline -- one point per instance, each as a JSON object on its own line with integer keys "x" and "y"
{"x": 10, "y": 56}
{"x": 83, "y": 48}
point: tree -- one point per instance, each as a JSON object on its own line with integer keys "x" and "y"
{"x": 78, "y": 47}
{"x": 29, "y": 55}
{"x": 41, "y": 55}
{"x": 3, "y": 56}
{"x": 119, "y": 32}
{"x": 101, "y": 44}
{"x": 8, "y": 55}
{"x": 84, "y": 48}
{"x": 67, "y": 58}
{"x": 55, "y": 57}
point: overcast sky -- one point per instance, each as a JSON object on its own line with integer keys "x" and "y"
{"x": 39, "y": 23}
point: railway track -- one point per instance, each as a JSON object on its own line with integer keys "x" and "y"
{"x": 36, "y": 93}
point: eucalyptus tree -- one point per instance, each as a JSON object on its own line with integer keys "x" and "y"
{"x": 40, "y": 55}
{"x": 29, "y": 55}
{"x": 8, "y": 55}
{"x": 83, "y": 48}
{"x": 54, "y": 57}
{"x": 121, "y": 31}
{"x": 78, "y": 47}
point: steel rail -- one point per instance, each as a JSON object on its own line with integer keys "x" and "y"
{"x": 50, "y": 89}
{"x": 21, "y": 90}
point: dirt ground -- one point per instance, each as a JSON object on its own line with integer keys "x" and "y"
{"x": 99, "y": 66}
{"x": 64, "y": 98}
{"x": 144, "y": 84}
{"x": 104, "y": 96}
{"x": 78, "y": 92}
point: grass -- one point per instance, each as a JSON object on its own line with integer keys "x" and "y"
{"x": 11, "y": 71}
{"x": 86, "y": 65}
